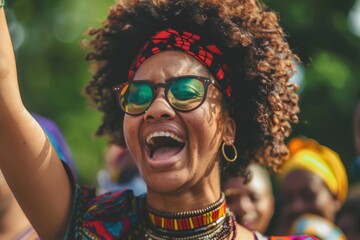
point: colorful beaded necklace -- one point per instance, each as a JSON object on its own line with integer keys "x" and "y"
{"x": 212, "y": 222}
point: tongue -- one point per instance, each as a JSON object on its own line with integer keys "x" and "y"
{"x": 164, "y": 153}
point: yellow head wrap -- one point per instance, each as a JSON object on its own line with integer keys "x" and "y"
{"x": 309, "y": 155}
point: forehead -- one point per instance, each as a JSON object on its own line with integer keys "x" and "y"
{"x": 170, "y": 64}
{"x": 256, "y": 185}
{"x": 298, "y": 180}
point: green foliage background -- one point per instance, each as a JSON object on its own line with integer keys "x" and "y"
{"x": 47, "y": 36}
{"x": 318, "y": 31}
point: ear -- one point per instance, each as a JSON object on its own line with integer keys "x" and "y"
{"x": 229, "y": 129}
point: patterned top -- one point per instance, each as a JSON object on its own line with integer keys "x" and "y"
{"x": 116, "y": 215}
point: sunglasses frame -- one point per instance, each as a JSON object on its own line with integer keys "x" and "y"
{"x": 204, "y": 80}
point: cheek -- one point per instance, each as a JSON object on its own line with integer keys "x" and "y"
{"x": 263, "y": 206}
{"x": 326, "y": 201}
{"x": 204, "y": 124}
{"x": 131, "y": 126}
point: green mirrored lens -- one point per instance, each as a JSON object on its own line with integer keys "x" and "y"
{"x": 186, "y": 93}
{"x": 137, "y": 98}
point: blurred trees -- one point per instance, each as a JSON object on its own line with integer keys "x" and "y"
{"x": 52, "y": 71}
{"x": 318, "y": 31}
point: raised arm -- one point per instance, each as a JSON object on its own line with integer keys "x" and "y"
{"x": 28, "y": 161}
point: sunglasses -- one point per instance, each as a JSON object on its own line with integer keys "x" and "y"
{"x": 184, "y": 93}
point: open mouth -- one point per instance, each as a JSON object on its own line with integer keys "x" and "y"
{"x": 163, "y": 145}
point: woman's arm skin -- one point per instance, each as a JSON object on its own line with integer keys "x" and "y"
{"x": 29, "y": 163}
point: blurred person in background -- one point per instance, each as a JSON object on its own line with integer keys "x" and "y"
{"x": 313, "y": 180}
{"x": 251, "y": 202}
{"x": 348, "y": 218}
{"x": 356, "y": 131}
{"x": 318, "y": 227}
{"x": 120, "y": 172}
{"x": 13, "y": 222}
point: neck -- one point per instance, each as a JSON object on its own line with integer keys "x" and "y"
{"x": 211, "y": 222}
{"x": 190, "y": 219}
{"x": 199, "y": 212}
{"x": 200, "y": 195}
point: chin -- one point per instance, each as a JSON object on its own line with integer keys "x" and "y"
{"x": 166, "y": 182}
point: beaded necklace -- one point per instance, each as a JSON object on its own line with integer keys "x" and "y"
{"x": 212, "y": 222}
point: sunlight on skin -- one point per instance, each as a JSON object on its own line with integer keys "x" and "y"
{"x": 200, "y": 128}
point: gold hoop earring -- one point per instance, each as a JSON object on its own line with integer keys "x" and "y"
{"x": 224, "y": 153}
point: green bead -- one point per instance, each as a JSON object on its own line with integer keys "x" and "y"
{"x": 2, "y": 4}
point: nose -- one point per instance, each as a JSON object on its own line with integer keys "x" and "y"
{"x": 160, "y": 109}
{"x": 298, "y": 206}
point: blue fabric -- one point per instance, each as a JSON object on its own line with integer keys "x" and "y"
{"x": 57, "y": 140}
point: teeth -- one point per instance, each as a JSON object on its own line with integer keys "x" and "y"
{"x": 149, "y": 139}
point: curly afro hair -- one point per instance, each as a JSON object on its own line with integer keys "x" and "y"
{"x": 253, "y": 43}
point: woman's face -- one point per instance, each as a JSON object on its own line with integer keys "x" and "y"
{"x": 305, "y": 192}
{"x": 188, "y": 152}
{"x": 252, "y": 203}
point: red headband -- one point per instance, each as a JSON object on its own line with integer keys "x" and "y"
{"x": 170, "y": 39}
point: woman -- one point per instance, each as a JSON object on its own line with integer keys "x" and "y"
{"x": 313, "y": 181}
{"x": 251, "y": 202}
{"x": 201, "y": 82}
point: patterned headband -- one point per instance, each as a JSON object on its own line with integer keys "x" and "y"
{"x": 210, "y": 56}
